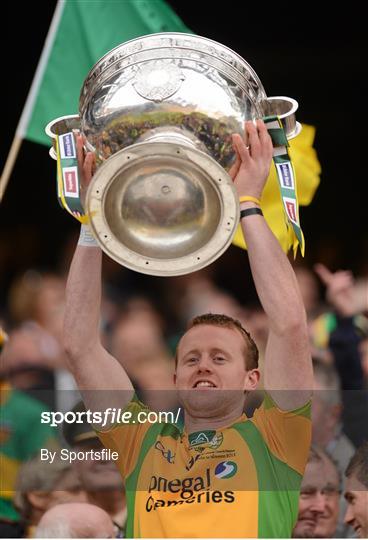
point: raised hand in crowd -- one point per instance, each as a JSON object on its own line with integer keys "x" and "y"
{"x": 343, "y": 293}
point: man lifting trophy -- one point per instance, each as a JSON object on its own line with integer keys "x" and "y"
{"x": 173, "y": 123}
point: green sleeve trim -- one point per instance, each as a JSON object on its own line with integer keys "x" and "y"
{"x": 303, "y": 410}
{"x": 278, "y": 486}
{"x": 132, "y": 480}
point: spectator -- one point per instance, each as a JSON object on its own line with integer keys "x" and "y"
{"x": 22, "y": 436}
{"x": 326, "y": 415}
{"x": 101, "y": 480}
{"x": 40, "y": 298}
{"x": 41, "y": 485}
{"x": 36, "y": 304}
{"x": 75, "y": 520}
{"x": 356, "y": 493}
{"x": 138, "y": 344}
{"x": 32, "y": 361}
{"x": 309, "y": 289}
{"x": 319, "y": 498}
{"x": 327, "y": 428}
{"x": 344, "y": 342}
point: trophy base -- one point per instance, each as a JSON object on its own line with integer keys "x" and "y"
{"x": 162, "y": 208}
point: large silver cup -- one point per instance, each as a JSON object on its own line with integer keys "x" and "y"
{"x": 159, "y": 112}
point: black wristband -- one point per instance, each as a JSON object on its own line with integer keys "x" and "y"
{"x": 250, "y": 212}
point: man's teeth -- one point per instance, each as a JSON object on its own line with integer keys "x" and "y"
{"x": 205, "y": 383}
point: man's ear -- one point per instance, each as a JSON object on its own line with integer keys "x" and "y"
{"x": 174, "y": 377}
{"x": 252, "y": 379}
{"x": 38, "y": 499}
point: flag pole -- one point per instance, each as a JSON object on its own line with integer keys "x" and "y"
{"x": 32, "y": 94}
{"x": 9, "y": 164}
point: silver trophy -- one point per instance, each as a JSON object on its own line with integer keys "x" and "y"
{"x": 159, "y": 112}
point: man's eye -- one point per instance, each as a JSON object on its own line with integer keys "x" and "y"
{"x": 306, "y": 494}
{"x": 331, "y": 491}
{"x": 192, "y": 360}
{"x": 220, "y": 359}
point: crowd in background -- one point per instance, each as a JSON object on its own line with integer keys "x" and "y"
{"x": 141, "y": 323}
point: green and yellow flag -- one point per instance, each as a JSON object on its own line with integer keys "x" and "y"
{"x": 81, "y": 32}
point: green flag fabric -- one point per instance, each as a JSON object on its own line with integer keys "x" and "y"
{"x": 83, "y": 31}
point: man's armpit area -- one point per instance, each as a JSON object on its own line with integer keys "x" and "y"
{"x": 290, "y": 400}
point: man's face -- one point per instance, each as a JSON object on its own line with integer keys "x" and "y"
{"x": 68, "y": 489}
{"x": 211, "y": 376}
{"x": 356, "y": 515}
{"x": 325, "y": 416}
{"x": 319, "y": 501}
{"x": 101, "y": 475}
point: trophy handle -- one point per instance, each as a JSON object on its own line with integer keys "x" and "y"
{"x": 60, "y": 126}
{"x": 285, "y": 108}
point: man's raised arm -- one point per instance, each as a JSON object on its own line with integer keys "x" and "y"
{"x": 288, "y": 375}
{"x": 99, "y": 376}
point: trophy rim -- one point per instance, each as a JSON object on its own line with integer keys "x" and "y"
{"x": 191, "y": 262}
{"x": 155, "y": 35}
{"x": 234, "y": 65}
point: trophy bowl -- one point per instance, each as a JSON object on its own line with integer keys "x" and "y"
{"x": 158, "y": 112}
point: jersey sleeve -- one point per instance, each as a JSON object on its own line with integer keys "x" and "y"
{"x": 287, "y": 433}
{"x": 126, "y": 438}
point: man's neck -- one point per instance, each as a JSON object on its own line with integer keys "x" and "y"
{"x": 198, "y": 423}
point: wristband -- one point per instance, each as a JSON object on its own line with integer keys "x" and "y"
{"x": 249, "y": 198}
{"x": 86, "y": 237}
{"x": 250, "y": 212}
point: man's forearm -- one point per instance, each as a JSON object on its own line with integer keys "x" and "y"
{"x": 273, "y": 275}
{"x": 287, "y": 364}
{"x": 83, "y": 299}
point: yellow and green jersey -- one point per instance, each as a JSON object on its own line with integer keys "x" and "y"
{"x": 242, "y": 480}
{"x": 21, "y": 437}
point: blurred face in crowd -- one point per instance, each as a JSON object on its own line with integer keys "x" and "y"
{"x": 67, "y": 489}
{"x": 28, "y": 347}
{"x": 319, "y": 501}
{"x": 356, "y": 516}
{"x": 211, "y": 375}
{"x": 308, "y": 286}
{"x": 101, "y": 475}
{"x": 136, "y": 338}
{"x": 50, "y": 303}
{"x": 325, "y": 415}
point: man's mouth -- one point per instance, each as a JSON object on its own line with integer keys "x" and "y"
{"x": 309, "y": 521}
{"x": 203, "y": 383}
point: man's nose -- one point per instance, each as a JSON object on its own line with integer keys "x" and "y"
{"x": 204, "y": 363}
{"x": 318, "y": 503}
{"x": 349, "y": 515}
